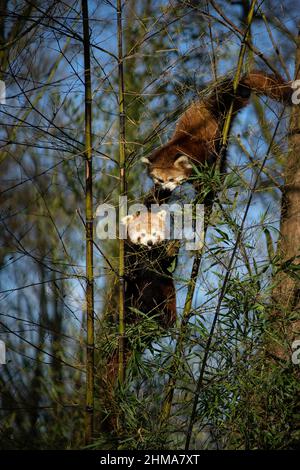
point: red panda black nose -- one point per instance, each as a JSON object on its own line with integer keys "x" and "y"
{"x": 149, "y": 242}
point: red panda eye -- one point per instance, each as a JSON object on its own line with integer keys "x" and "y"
{"x": 171, "y": 179}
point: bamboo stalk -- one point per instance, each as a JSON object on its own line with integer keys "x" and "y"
{"x": 226, "y": 130}
{"x": 122, "y": 192}
{"x": 174, "y": 369}
{"x": 224, "y": 287}
{"x": 90, "y": 346}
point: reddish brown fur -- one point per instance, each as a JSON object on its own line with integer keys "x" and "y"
{"x": 149, "y": 289}
{"x": 154, "y": 294}
{"x": 150, "y": 286}
{"x": 198, "y": 131}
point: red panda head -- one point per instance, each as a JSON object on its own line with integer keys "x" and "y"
{"x": 146, "y": 228}
{"x": 168, "y": 167}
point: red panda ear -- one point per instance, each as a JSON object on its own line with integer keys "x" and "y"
{"x": 145, "y": 160}
{"x": 182, "y": 161}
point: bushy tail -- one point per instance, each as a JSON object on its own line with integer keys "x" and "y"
{"x": 269, "y": 85}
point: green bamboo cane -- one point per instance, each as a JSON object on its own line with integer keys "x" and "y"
{"x": 90, "y": 347}
{"x": 238, "y": 73}
{"x": 223, "y": 150}
{"x": 122, "y": 192}
{"x": 174, "y": 369}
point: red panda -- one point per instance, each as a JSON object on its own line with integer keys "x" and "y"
{"x": 149, "y": 285}
{"x": 197, "y": 137}
{"x": 149, "y": 289}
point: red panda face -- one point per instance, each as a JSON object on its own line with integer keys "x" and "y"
{"x": 170, "y": 174}
{"x": 146, "y": 228}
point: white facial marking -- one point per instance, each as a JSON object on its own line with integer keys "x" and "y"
{"x": 170, "y": 182}
{"x": 171, "y": 185}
